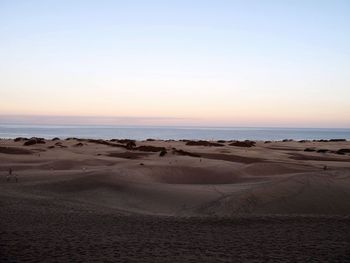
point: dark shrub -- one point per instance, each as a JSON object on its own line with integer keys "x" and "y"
{"x": 322, "y": 150}
{"x": 40, "y": 140}
{"x": 203, "y": 143}
{"x": 125, "y": 141}
{"x": 309, "y": 150}
{"x": 130, "y": 145}
{"x": 343, "y": 151}
{"x": 148, "y": 148}
{"x": 162, "y": 153}
{"x": 59, "y": 144}
{"x": 30, "y": 142}
{"x": 245, "y": 143}
{"x": 19, "y": 139}
{"x": 184, "y": 153}
{"x": 103, "y": 142}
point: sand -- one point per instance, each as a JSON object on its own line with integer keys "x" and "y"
{"x": 103, "y": 202}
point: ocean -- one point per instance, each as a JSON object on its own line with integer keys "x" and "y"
{"x": 175, "y": 133}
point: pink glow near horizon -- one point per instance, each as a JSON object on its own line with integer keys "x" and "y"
{"x": 162, "y": 121}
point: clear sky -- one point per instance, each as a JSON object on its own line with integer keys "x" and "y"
{"x": 221, "y": 63}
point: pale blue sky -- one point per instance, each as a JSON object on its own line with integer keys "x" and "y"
{"x": 232, "y": 63}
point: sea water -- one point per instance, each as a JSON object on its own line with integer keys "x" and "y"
{"x": 175, "y": 133}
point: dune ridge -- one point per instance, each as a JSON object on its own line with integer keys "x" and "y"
{"x": 98, "y": 201}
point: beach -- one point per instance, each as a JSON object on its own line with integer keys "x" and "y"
{"x": 86, "y": 200}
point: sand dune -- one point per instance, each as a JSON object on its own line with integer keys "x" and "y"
{"x": 258, "y": 179}
{"x": 78, "y": 195}
{"x": 314, "y": 194}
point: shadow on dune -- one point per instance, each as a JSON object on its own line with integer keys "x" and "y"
{"x": 129, "y": 155}
{"x": 14, "y": 150}
{"x": 196, "y": 175}
{"x": 231, "y": 158}
{"x": 297, "y": 156}
{"x": 308, "y": 194}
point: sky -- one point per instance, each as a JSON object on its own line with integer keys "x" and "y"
{"x": 205, "y": 63}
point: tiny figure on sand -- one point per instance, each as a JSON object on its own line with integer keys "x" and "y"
{"x": 11, "y": 174}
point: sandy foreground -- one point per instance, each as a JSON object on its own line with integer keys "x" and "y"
{"x": 93, "y": 200}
